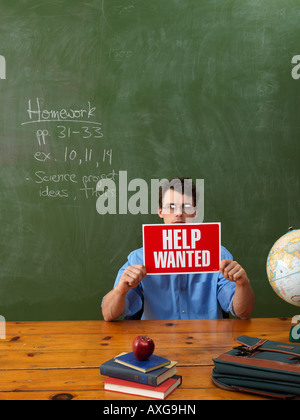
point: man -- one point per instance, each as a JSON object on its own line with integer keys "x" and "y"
{"x": 183, "y": 296}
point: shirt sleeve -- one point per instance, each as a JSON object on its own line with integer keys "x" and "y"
{"x": 226, "y": 288}
{"x": 225, "y": 295}
{"x": 133, "y": 302}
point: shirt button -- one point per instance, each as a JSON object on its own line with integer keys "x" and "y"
{"x": 183, "y": 311}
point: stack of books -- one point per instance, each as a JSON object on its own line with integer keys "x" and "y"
{"x": 154, "y": 378}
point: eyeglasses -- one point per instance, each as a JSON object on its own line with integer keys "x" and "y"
{"x": 184, "y": 208}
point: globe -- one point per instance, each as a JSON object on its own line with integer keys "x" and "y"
{"x": 283, "y": 267}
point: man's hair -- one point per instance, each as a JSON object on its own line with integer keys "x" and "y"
{"x": 183, "y": 185}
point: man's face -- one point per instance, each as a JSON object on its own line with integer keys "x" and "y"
{"x": 176, "y": 207}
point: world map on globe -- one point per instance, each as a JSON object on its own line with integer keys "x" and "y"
{"x": 283, "y": 267}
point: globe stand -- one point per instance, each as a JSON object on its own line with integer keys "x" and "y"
{"x": 295, "y": 330}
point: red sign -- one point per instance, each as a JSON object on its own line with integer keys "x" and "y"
{"x": 182, "y": 248}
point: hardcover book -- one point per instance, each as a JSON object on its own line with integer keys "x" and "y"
{"x": 154, "y": 377}
{"x": 160, "y": 392}
{"x": 152, "y": 363}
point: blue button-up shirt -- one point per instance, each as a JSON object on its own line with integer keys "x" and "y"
{"x": 181, "y": 296}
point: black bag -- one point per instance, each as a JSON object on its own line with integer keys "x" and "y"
{"x": 260, "y": 366}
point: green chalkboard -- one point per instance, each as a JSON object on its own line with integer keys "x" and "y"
{"x": 153, "y": 89}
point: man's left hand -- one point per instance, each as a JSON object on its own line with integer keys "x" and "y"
{"x": 233, "y": 271}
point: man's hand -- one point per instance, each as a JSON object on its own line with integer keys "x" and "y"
{"x": 114, "y": 302}
{"x": 131, "y": 278}
{"x": 243, "y": 299}
{"x": 233, "y": 271}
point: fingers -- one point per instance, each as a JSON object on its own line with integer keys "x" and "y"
{"x": 133, "y": 275}
{"x": 232, "y": 271}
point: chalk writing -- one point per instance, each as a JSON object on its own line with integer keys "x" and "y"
{"x": 65, "y": 140}
{"x": 41, "y": 136}
{"x": 90, "y": 182}
{"x": 53, "y": 193}
{"x": 59, "y": 185}
{"x": 37, "y": 114}
{"x": 79, "y": 157}
{"x": 42, "y": 156}
{"x": 84, "y": 132}
{"x": 42, "y": 177}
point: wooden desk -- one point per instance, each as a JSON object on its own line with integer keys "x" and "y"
{"x": 51, "y": 360}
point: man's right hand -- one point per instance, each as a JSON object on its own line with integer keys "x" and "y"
{"x": 131, "y": 278}
{"x": 114, "y": 302}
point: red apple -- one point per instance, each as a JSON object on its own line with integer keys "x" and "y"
{"x": 142, "y": 347}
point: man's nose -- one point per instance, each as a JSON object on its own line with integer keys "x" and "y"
{"x": 178, "y": 210}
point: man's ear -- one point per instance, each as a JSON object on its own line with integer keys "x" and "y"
{"x": 159, "y": 212}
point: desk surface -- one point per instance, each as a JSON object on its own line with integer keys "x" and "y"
{"x": 52, "y": 360}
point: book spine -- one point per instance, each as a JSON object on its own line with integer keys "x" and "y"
{"x": 134, "y": 376}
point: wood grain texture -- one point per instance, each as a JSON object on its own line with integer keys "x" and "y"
{"x": 60, "y": 360}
